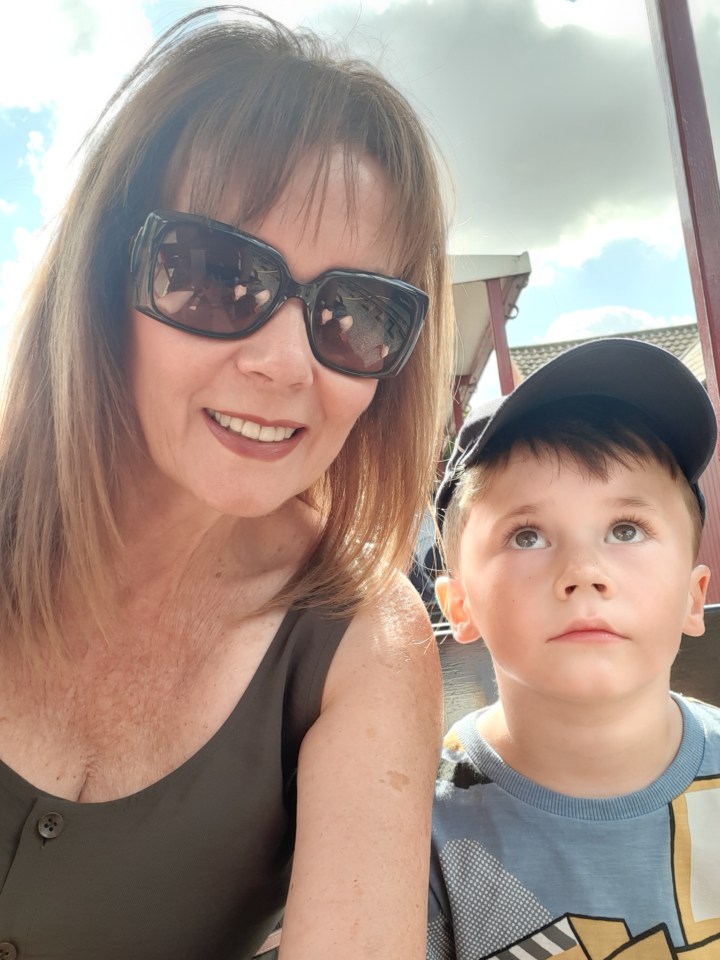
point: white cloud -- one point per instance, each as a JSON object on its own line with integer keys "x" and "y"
{"x": 6, "y": 207}
{"x": 295, "y": 12}
{"x": 612, "y": 18}
{"x": 488, "y": 386}
{"x": 69, "y": 66}
{"x": 555, "y": 132}
{"x": 556, "y": 138}
{"x": 66, "y": 56}
{"x": 659, "y": 229}
{"x": 14, "y": 276}
{"x": 598, "y": 321}
{"x": 53, "y": 46}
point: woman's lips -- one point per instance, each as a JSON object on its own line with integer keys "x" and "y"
{"x": 255, "y": 428}
{"x": 253, "y": 437}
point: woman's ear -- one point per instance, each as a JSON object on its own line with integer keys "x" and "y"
{"x": 694, "y": 625}
{"x": 453, "y": 602}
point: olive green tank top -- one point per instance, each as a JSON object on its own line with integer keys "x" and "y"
{"x": 193, "y": 867}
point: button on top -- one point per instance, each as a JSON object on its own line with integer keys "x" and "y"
{"x": 8, "y": 951}
{"x": 49, "y": 827}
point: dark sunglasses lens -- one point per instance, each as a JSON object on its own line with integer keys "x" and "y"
{"x": 364, "y": 325}
{"x": 212, "y": 282}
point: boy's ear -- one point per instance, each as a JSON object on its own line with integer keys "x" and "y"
{"x": 453, "y": 602}
{"x": 694, "y": 625}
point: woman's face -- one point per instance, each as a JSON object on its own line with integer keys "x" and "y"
{"x": 243, "y": 426}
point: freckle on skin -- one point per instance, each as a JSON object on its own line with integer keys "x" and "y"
{"x": 371, "y": 733}
{"x": 397, "y": 780}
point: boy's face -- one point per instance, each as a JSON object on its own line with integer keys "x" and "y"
{"x": 579, "y": 587}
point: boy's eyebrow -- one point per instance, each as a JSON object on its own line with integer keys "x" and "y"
{"x": 529, "y": 510}
{"x": 637, "y": 502}
{"x": 524, "y": 510}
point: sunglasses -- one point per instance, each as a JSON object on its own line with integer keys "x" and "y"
{"x": 207, "y": 278}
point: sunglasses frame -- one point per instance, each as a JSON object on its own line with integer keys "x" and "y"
{"x": 145, "y": 248}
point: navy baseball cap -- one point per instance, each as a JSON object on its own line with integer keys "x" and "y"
{"x": 653, "y": 380}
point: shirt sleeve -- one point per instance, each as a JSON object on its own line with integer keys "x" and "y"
{"x": 440, "y": 943}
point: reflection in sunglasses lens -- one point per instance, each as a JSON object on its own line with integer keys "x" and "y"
{"x": 351, "y": 324}
{"x": 211, "y": 280}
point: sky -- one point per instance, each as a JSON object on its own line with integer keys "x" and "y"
{"x": 548, "y": 114}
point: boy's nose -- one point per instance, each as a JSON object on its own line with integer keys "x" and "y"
{"x": 583, "y": 571}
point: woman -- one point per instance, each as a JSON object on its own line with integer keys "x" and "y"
{"x": 212, "y": 674}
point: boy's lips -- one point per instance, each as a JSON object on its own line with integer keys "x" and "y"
{"x": 589, "y": 631}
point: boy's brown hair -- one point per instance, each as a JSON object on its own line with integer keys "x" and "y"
{"x": 602, "y": 403}
{"x": 592, "y": 433}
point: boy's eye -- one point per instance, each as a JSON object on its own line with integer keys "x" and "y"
{"x": 527, "y": 539}
{"x": 625, "y": 533}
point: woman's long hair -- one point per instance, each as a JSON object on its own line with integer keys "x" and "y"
{"x": 212, "y": 97}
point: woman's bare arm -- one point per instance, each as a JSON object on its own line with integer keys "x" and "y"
{"x": 365, "y": 782}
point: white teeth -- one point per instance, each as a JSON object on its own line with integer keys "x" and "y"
{"x": 252, "y": 430}
{"x": 246, "y": 427}
{"x": 267, "y": 434}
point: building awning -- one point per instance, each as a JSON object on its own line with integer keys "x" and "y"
{"x": 472, "y": 281}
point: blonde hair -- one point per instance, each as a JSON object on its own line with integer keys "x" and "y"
{"x": 211, "y": 97}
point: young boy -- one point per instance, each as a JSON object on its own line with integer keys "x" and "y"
{"x": 578, "y": 817}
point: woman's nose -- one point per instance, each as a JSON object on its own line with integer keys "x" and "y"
{"x": 279, "y": 351}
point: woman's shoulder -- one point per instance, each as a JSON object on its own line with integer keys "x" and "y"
{"x": 394, "y": 619}
{"x": 390, "y": 641}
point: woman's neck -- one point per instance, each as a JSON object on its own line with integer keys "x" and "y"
{"x": 182, "y": 565}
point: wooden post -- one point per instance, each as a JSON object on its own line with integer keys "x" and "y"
{"x": 695, "y": 171}
{"x": 497, "y": 322}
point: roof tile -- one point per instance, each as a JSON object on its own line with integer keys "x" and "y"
{"x": 677, "y": 339}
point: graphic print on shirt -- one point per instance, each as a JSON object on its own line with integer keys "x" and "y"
{"x": 695, "y": 854}
{"x": 587, "y": 938}
{"x": 519, "y": 872}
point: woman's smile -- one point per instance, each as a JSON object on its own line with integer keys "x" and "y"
{"x": 253, "y": 429}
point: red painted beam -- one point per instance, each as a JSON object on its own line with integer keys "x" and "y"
{"x": 497, "y": 322}
{"x": 695, "y": 171}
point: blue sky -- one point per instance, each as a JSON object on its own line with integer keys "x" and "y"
{"x": 548, "y": 113}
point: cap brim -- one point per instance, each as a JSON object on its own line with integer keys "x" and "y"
{"x": 638, "y": 373}
{"x": 645, "y": 376}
